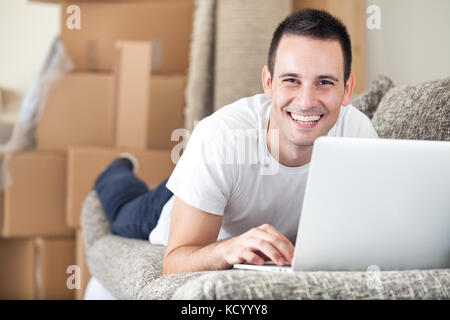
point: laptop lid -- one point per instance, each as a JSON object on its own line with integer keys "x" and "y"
{"x": 375, "y": 202}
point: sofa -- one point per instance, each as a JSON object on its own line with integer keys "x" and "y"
{"x": 132, "y": 269}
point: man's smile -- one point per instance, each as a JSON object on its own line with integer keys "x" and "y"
{"x": 305, "y": 121}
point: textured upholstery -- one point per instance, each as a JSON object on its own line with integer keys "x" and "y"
{"x": 243, "y": 33}
{"x": 368, "y": 101}
{"x": 200, "y": 84}
{"x": 419, "y": 112}
{"x": 233, "y": 284}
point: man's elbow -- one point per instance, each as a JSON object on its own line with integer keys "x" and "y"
{"x": 169, "y": 264}
{"x": 166, "y": 267}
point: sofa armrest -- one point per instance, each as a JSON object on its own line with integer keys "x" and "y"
{"x": 124, "y": 266}
{"x": 93, "y": 220}
{"x": 240, "y": 284}
{"x": 128, "y": 268}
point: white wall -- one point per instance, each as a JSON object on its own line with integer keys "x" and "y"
{"x": 413, "y": 44}
{"x": 26, "y": 30}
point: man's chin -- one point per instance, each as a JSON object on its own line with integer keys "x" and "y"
{"x": 304, "y": 140}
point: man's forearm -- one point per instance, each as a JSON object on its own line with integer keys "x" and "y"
{"x": 195, "y": 258}
{"x": 252, "y": 246}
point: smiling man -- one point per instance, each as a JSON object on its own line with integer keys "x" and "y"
{"x": 307, "y": 85}
{"x": 218, "y": 208}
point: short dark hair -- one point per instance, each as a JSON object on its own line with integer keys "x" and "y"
{"x": 316, "y": 24}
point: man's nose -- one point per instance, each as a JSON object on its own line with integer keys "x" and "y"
{"x": 306, "y": 96}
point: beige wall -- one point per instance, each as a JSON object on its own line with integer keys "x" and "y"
{"x": 26, "y": 30}
{"x": 413, "y": 43}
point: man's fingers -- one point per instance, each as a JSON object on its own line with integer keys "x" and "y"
{"x": 270, "y": 229}
{"x": 280, "y": 245}
{"x": 252, "y": 257}
{"x": 263, "y": 242}
{"x": 266, "y": 248}
{"x": 278, "y": 240}
{"x": 262, "y": 255}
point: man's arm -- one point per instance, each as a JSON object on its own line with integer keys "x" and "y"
{"x": 193, "y": 247}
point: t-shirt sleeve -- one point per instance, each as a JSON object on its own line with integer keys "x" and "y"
{"x": 357, "y": 124}
{"x": 366, "y": 128}
{"x": 205, "y": 173}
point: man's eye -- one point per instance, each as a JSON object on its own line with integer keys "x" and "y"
{"x": 290, "y": 80}
{"x": 326, "y": 82}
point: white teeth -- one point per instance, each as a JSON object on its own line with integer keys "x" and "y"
{"x": 305, "y": 118}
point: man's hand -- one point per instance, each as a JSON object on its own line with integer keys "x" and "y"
{"x": 256, "y": 244}
{"x": 193, "y": 244}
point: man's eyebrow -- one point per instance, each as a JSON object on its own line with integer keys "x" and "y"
{"x": 328, "y": 76}
{"x": 320, "y": 77}
{"x": 290, "y": 74}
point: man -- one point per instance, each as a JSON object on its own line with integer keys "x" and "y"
{"x": 224, "y": 210}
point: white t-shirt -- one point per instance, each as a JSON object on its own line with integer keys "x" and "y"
{"x": 227, "y": 169}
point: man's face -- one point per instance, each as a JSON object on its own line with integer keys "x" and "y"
{"x": 308, "y": 85}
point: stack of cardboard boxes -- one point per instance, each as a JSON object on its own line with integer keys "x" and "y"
{"x": 125, "y": 94}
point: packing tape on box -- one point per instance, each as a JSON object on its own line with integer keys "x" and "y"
{"x": 92, "y": 52}
{"x": 55, "y": 65}
{"x": 156, "y": 56}
{"x": 37, "y": 270}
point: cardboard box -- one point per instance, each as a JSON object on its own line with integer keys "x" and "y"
{"x": 36, "y": 268}
{"x": 86, "y": 163}
{"x": 54, "y": 256}
{"x": 166, "y": 112}
{"x": 17, "y": 269}
{"x": 80, "y": 261}
{"x": 80, "y": 111}
{"x": 34, "y": 202}
{"x": 132, "y": 93}
{"x": 138, "y": 124}
{"x": 167, "y": 24}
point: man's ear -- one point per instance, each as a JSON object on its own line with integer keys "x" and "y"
{"x": 267, "y": 82}
{"x": 348, "y": 89}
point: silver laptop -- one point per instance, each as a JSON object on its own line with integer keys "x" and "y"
{"x": 374, "y": 203}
